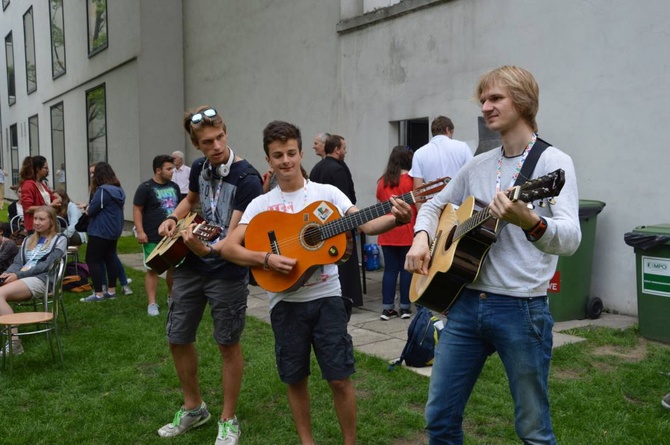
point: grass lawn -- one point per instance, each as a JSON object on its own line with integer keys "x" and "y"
{"x": 119, "y": 386}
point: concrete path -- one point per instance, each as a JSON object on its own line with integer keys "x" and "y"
{"x": 386, "y": 339}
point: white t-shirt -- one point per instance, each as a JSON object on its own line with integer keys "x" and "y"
{"x": 324, "y": 282}
{"x": 440, "y": 157}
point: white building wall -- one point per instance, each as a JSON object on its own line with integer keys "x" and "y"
{"x": 600, "y": 65}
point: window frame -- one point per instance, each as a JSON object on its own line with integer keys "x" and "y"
{"x": 93, "y": 51}
{"x": 11, "y": 80}
{"x": 56, "y": 159}
{"x": 88, "y": 123}
{"x": 36, "y": 119}
{"x": 25, "y": 53}
{"x": 54, "y": 74}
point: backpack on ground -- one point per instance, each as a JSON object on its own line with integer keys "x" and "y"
{"x": 81, "y": 269}
{"x": 422, "y": 335}
{"x": 75, "y": 283}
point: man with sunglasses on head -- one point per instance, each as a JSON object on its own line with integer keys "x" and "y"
{"x": 222, "y": 184}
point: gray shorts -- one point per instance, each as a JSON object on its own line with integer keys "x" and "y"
{"x": 320, "y": 324}
{"x": 35, "y": 285}
{"x": 191, "y": 293}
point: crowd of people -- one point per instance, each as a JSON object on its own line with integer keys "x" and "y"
{"x": 504, "y": 310}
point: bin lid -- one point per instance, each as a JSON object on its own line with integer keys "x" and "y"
{"x": 589, "y": 208}
{"x": 656, "y": 229}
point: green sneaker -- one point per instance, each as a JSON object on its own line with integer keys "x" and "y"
{"x": 229, "y": 432}
{"x": 184, "y": 420}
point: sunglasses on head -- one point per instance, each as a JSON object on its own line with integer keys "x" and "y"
{"x": 199, "y": 117}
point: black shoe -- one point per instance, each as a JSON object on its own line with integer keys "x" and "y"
{"x": 405, "y": 313}
{"x": 388, "y": 314}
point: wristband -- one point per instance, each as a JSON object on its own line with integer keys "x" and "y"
{"x": 266, "y": 264}
{"x": 537, "y": 231}
{"x": 399, "y": 223}
{"x": 173, "y": 218}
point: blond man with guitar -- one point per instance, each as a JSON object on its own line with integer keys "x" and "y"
{"x": 307, "y": 310}
{"x": 222, "y": 184}
{"x": 505, "y": 308}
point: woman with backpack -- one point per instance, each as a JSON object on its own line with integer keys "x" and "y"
{"x": 26, "y": 276}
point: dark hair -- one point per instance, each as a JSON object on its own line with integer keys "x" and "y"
{"x": 280, "y": 131}
{"x": 334, "y": 141}
{"x": 400, "y": 159}
{"x": 160, "y": 160}
{"x": 62, "y": 210}
{"x": 103, "y": 174}
{"x": 30, "y": 165}
{"x": 440, "y": 125}
{"x": 5, "y": 228}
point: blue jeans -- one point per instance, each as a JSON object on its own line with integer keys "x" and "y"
{"x": 478, "y": 325}
{"x": 394, "y": 265}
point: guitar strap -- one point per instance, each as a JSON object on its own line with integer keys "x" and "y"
{"x": 529, "y": 164}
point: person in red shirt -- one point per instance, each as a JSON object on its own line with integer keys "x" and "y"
{"x": 34, "y": 192}
{"x": 396, "y": 243}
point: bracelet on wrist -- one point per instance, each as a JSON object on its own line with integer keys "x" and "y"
{"x": 173, "y": 218}
{"x": 537, "y": 230}
{"x": 399, "y": 223}
{"x": 266, "y": 264}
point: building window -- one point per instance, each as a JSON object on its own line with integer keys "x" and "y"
{"x": 29, "y": 35}
{"x": 412, "y": 133}
{"x": 97, "y": 26}
{"x": 58, "y": 145}
{"x": 96, "y": 124}
{"x": 14, "y": 147}
{"x": 34, "y": 135}
{"x": 9, "y": 56}
{"x": 57, "y": 38}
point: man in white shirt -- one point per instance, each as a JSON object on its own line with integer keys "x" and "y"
{"x": 442, "y": 156}
{"x": 181, "y": 173}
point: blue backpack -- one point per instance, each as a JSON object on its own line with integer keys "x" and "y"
{"x": 422, "y": 335}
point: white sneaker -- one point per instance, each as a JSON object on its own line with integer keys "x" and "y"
{"x": 152, "y": 309}
{"x": 184, "y": 420}
{"x": 229, "y": 432}
{"x": 127, "y": 290}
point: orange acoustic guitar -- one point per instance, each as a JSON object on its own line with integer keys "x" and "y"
{"x": 315, "y": 236}
{"x": 172, "y": 250}
{"x": 462, "y": 241}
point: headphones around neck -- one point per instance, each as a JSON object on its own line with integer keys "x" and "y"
{"x": 209, "y": 172}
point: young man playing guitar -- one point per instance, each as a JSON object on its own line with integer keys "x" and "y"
{"x": 223, "y": 185}
{"x": 505, "y": 309}
{"x": 313, "y": 315}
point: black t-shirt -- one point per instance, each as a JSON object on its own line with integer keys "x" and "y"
{"x": 219, "y": 197}
{"x": 157, "y": 202}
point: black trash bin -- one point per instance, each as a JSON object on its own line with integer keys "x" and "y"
{"x": 570, "y": 287}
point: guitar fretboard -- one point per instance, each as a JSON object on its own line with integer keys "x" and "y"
{"x": 354, "y": 220}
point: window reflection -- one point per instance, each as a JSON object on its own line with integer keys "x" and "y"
{"x": 57, "y": 37}
{"x": 97, "y": 25}
{"x": 29, "y": 35}
{"x": 96, "y": 120}
{"x": 9, "y": 58}
{"x": 58, "y": 146}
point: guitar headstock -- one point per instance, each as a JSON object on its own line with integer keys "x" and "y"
{"x": 206, "y": 232}
{"x": 543, "y": 187}
{"x": 422, "y": 192}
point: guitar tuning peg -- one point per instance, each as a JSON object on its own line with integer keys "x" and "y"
{"x": 542, "y": 204}
{"x": 552, "y": 201}
{"x": 530, "y": 205}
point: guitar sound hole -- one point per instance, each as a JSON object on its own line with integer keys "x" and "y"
{"x": 311, "y": 236}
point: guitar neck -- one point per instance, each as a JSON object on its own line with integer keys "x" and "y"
{"x": 349, "y": 222}
{"x": 472, "y": 223}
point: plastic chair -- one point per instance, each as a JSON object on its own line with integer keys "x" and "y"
{"x": 45, "y": 322}
{"x": 62, "y": 223}
{"x": 16, "y": 224}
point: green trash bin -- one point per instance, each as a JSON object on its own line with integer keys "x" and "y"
{"x": 570, "y": 287}
{"x": 653, "y": 280}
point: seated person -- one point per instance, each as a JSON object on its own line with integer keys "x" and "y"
{"x": 26, "y": 276}
{"x": 15, "y": 207}
{"x": 8, "y": 248}
{"x": 71, "y": 213}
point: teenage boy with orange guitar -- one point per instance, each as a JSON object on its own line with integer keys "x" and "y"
{"x": 222, "y": 184}
{"x": 505, "y": 309}
{"x": 313, "y": 314}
